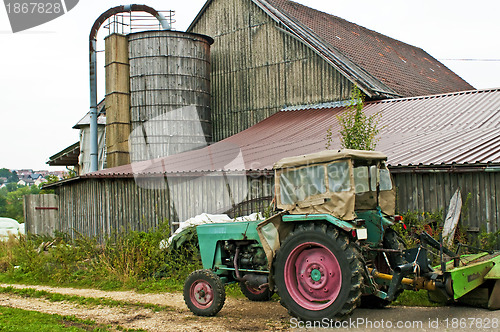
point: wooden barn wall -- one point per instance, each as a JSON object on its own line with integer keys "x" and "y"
{"x": 98, "y": 207}
{"x": 257, "y": 68}
{"x": 432, "y": 192}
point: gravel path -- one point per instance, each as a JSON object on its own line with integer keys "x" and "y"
{"x": 237, "y": 314}
{"x": 243, "y": 315}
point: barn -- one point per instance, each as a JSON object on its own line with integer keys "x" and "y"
{"x": 430, "y": 156}
{"x": 280, "y": 74}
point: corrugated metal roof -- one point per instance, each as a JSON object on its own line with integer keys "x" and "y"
{"x": 381, "y": 66}
{"x": 457, "y": 128}
{"x": 406, "y": 69}
{"x": 66, "y": 157}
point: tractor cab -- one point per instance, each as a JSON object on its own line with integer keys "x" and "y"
{"x": 340, "y": 183}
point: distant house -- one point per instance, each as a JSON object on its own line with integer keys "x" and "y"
{"x": 26, "y": 182}
{"x": 24, "y": 172}
{"x": 39, "y": 181}
{"x": 35, "y": 176}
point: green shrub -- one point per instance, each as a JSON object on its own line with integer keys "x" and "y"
{"x": 123, "y": 260}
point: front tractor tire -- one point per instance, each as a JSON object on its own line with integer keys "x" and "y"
{"x": 317, "y": 273}
{"x": 204, "y": 293}
{"x": 255, "y": 294}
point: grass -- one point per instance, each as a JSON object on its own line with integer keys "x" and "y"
{"x": 88, "y": 301}
{"x": 12, "y": 319}
{"x": 418, "y": 298}
{"x": 128, "y": 260}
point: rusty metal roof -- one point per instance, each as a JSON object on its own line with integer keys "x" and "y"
{"x": 403, "y": 68}
{"x": 457, "y": 128}
{"x": 381, "y": 66}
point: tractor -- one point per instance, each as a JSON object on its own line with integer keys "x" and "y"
{"x": 331, "y": 246}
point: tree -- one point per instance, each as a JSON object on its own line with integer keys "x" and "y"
{"x": 3, "y": 205}
{"x": 357, "y": 130}
{"x": 11, "y": 176}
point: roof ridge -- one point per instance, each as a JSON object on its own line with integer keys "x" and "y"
{"x": 368, "y": 83}
{"x": 440, "y": 95}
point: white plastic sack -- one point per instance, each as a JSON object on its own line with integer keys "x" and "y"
{"x": 206, "y": 218}
{"x": 8, "y": 226}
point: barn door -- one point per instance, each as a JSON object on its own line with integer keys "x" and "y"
{"x": 41, "y": 213}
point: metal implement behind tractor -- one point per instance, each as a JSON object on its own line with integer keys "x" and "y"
{"x": 332, "y": 246}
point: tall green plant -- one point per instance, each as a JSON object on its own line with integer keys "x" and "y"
{"x": 357, "y": 130}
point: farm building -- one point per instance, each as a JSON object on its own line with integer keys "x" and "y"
{"x": 435, "y": 144}
{"x": 270, "y": 54}
{"x": 280, "y": 73}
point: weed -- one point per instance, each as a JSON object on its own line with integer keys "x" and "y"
{"x": 412, "y": 298}
{"x": 489, "y": 241}
{"x": 128, "y": 259}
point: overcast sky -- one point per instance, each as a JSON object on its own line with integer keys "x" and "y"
{"x": 44, "y": 85}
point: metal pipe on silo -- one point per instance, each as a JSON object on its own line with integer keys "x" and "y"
{"x": 93, "y": 68}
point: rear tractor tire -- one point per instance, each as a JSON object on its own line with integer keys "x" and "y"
{"x": 256, "y": 294}
{"x": 204, "y": 293}
{"x": 317, "y": 273}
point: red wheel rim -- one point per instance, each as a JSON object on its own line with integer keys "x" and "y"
{"x": 201, "y": 294}
{"x": 313, "y": 276}
{"x": 255, "y": 290}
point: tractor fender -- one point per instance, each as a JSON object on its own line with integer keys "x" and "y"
{"x": 342, "y": 224}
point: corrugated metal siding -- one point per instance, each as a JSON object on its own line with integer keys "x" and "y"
{"x": 100, "y": 207}
{"x": 257, "y": 69}
{"x": 429, "y": 192}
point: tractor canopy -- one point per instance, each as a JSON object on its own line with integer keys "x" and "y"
{"x": 334, "y": 182}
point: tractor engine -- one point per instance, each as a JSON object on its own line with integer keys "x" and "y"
{"x": 248, "y": 260}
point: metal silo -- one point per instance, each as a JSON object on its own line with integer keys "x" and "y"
{"x": 169, "y": 93}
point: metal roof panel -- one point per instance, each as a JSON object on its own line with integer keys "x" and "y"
{"x": 431, "y": 130}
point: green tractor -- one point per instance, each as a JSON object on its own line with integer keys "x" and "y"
{"x": 331, "y": 246}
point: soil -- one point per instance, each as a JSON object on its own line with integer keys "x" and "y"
{"x": 244, "y": 315}
{"x": 236, "y": 315}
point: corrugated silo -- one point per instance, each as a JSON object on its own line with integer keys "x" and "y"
{"x": 169, "y": 93}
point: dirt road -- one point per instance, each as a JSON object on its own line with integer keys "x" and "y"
{"x": 243, "y": 315}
